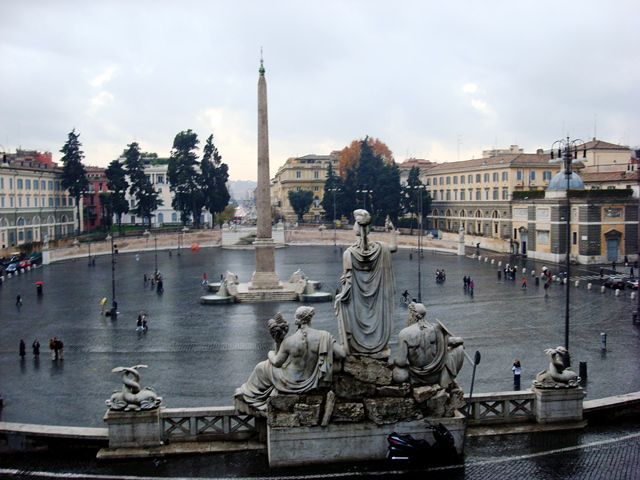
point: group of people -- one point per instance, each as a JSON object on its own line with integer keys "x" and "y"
{"x": 468, "y": 284}
{"x": 441, "y": 276}
{"x": 510, "y": 272}
{"x": 55, "y": 345}
{"x": 141, "y": 323}
{"x": 155, "y": 280}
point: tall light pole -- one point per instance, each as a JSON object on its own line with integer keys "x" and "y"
{"x": 334, "y": 190}
{"x": 114, "y": 304}
{"x": 568, "y": 151}
{"x": 364, "y": 193}
{"x": 419, "y": 189}
{"x": 89, "y": 254}
{"x": 636, "y": 314}
{"x": 155, "y": 250}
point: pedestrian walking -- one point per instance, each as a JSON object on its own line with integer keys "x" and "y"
{"x": 145, "y": 279}
{"x": 631, "y": 271}
{"x": 613, "y": 266}
{"x": 516, "y": 368}
{"x": 139, "y": 323}
{"x": 18, "y": 300}
{"x": 52, "y": 347}
{"x": 160, "y": 284}
{"x": 23, "y": 349}
{"x": 601, "y": 273}
{"x": 626, "y": 261}
{"x": 405, "y": 297}
{"x": 524, "y": 283}
{"x": 60, "y": 346}
{"x": 145, "y": 326}
{"x": 471, "y": 286}
{"x": 35, "y": 346}
{"x": 205, "y": 280}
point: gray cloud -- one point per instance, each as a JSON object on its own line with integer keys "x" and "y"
{"x": 121, "y": 71}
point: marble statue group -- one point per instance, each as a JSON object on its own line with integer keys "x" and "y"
{"x": 364, "y": 305}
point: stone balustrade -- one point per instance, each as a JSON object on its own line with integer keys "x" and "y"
{"x": 501, "y": 407}
{"x": 207, "y": 423}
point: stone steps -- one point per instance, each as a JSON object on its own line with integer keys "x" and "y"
{"x": 266, "y": 296}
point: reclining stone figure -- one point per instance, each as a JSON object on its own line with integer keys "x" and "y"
{"x": 303, "y": 361}
{"x": 427, "y": 353}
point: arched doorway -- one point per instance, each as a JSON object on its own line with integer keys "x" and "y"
{"x": 495, "y": 224}
{"x": 612, "y": 238}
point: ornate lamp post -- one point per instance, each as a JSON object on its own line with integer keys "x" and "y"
{"x": 568, "y": 153}
{"x": 334, "y": 190}
{"x": 364, "y": 193}
{"x": 636, "y": 314}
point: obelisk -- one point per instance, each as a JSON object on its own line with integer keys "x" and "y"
{"x": 264, "y": 277}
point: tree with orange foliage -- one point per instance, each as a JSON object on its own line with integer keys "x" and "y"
{"x": 350, "y": 156}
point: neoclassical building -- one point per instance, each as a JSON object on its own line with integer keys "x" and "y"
{"x": 308, "y": 172}
{"x": 33, "y": 203}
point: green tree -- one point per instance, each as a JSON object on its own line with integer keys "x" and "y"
{"x": 410, "y": 197}
{"x": 74, "y": 175}
{"x": 226, "y": 215}
{"x": 106, "y": 210}
{"x": 140, "y": 187}
{"x": 300, "y": 201}
{"x": 213, "y": 179}
{"x": 184, "y": 177}
{"x": 333, "y": 192}
{"x": 117, "y": 184}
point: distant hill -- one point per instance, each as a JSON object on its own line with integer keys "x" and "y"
{"x": 241, "y": 189}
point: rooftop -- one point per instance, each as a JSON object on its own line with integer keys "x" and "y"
{"x": 499, "y": 161}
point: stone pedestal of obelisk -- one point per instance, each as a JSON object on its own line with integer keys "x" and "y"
{"x": 264, "y": 277}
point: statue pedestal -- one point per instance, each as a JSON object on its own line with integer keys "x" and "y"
{"x": 558, "y": 404}
{"x": 345, "y": 442}
{"x": 46, "y": 257}
{"x": 133, "y": 429}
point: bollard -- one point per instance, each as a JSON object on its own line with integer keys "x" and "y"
{"x": 602, "y": 289}
{"x": 537, "y": 281}
{"x": 583, "y": 371}
{"x": 577, "y": 283}
{"x": 589, "y": 286}
{"x": 564, "y": 281}
{"x": 553, "y": 278}
{"x": 603, "y": 341}
{"x": 617, "y": 292}
{"x": 479, "y": 258}
{"x": 493, "y": 261}
{"x": 486, "y": 259}
{"x": 524, "y": 270}
{"x": 633, "y": 295}
{"x": 533, "y": 273}
{"x": 499, "y": 263}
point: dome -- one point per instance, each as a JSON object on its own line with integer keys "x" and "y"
{"x": 559, "y": 182}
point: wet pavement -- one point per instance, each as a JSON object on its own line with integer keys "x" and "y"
{"x": 198, "y": 355}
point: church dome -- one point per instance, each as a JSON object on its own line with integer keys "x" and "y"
{"x": 559, "y": 182}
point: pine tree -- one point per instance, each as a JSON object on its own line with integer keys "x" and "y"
{"x": 74, "y": 175}
{"x": 213, "y": 180}
{"x": 184, "y": 177}
{"x": 117, "y": 184}
{"x": 140, "y": 187}
{"x": 333, "y": 197}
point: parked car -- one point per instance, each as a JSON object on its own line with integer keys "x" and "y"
{"x": 35, "y": 258}
{"x": 633, "y": 284}
{"x": 614, "y": 282}
{"x": 24, "y": 263}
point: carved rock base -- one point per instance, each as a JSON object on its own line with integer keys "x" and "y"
{"x": 133, "y": 429}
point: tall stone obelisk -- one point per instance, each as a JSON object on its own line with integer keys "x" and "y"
{"x": 264, "y": 276}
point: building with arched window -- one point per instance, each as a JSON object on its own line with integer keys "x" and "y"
{"x": 30, "y": 191}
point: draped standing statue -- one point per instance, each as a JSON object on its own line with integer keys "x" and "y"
{"x": 302, "y": 362}
{"x": 364, "y": 304}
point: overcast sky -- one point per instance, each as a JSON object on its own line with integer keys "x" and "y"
{"x": 436, "y": 80}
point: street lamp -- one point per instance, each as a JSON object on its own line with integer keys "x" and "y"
{"x": 334, "y": 190}
{"x": 419, "y": 189}
{"x": 89, "y": 254}
{"x": 364, "y": 193}
{"x": 568, "y": 153}
{"x": 636, "y": 315}
{"x": 114, "y": 304}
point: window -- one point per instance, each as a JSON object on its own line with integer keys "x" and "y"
{"x": 35, "y": 201}
{"x": 470, "y": 179}
{"x": 519, "y": 175}
{"x": 11, "y": 201}
{"x": 57, "y": 185}
{"x": 64, "y": 201}
{"x": 27, "y": 184}
{"x": 448, "y": 194}
{"x": 448, "y": 180}
{"x": 546, "y": 175}
{"x": 57, "y": 201}
{"x": 486, "y": 178}
{"x": 461, "y": 178}
{"x": 159, "y": 179}
{"x": 2, "y": 201}
{"x": 298, "y": 174}
{"x": 455, "y": 180}
{"x": 532, "y": 175}
{"x": 495, "y": 176}
{"x": 19, "y": 184}
{"x": 478, "y": 178}
{"x": 50, "y": 184}
{"x": 542, "y": 237}
{"x": 495, "y": 194}
{"x": 316, "y": 188}
{"x": 505, "y": 194}
{"x": 51, "y": 201}
{"x": 455, "y": 194}
{"x": 1, "y": 182}
{"x": 148, "y": 177}
{"x": 19, "y": 201}
{"x": 462, "y": 194}
{"x": 574, "y": 236}
{"x": 174, "y": 217}
{"x": 35, "y": 184}
{"x": 478, "y": 194}
{"x": 133, "y": 219}
{"x": 11, "y": 184}
{"x": 486, "y": 194}
{"x": 28, "y": 201}
{"x": 505, "y": 176}
{"x": 316, "y": 174}
{"x": 435, "y": 194}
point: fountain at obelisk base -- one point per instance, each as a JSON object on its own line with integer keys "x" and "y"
{"x": 265, "y": 285}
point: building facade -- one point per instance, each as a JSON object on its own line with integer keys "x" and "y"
{"x": 476, "y": 194}
{"x": 308, "y": 172}
{"x": 33, "y": 204}
{"x": 91, "y": 200}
